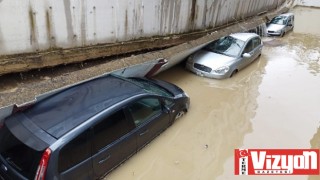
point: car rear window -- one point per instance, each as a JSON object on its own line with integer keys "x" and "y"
{"x": 19, "y": 156}
{"x": 151, "y": 87}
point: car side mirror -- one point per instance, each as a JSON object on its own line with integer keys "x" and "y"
{"x": 246, "y": 55}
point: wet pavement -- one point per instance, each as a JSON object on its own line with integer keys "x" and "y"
{"x": 273, "y": 103}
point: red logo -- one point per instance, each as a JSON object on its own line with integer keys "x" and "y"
{"x": 276, "y": 162}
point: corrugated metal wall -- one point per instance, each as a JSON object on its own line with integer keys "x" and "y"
{"x": 34, "y": 25}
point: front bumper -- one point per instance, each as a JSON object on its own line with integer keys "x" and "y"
{"x": 273, "y": 33}
{"x": 190, "y": 67}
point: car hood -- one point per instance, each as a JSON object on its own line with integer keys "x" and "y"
{"x": 275, "y": 27}
{"x": 212, "y": 60}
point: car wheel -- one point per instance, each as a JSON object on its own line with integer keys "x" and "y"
{"x": 282, "y": 34}
{"x": 233, "y": 73}
{"x": 179, "y": 114}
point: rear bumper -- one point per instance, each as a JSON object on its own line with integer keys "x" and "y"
{"x": 7, "y": 172}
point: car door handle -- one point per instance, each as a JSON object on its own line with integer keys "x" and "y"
{"x": 104, "y": 159}
{"x": 145, "y": 132}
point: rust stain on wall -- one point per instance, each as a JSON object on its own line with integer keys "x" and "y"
{"x": 67, "y": 12}
{"x": 74, "y": 35}
{"x": 2, "y": 44}
{"x": 213, "y": 13}
{"x": 193, "y": 14}
{"x": 83, "y": 23}
{"x": 49, "y": 26}
{"x": 33, "y": 30}
{"x": 218, "y": 8}
{"x": 174, "y": 15}
{"x": 238, "y": 10}
{"x": 126, "y": 26}
{"x": 169, "y": 13}
{"x": 204, "y": 13}
{"x": 94, "y": 24}
{"x": 170, "y": 16}
{"x": 163, "y": 14}
{"x": 177, "y": 14}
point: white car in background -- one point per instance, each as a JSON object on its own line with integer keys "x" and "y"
{"x": 281, "y": 24}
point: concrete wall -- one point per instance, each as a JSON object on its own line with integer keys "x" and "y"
{"x": 29, "y": 91}
{"x": 34, "y": 25}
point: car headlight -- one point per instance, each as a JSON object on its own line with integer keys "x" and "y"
{"x": 222, "y": 70}
{"x": 279, "y": 31}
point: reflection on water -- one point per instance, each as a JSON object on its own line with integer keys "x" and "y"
{"x": 307, "y": 50}
{"x": 288, "y": 108}
{"x": 306, "y": 20}
{"x": 273, "y": 103}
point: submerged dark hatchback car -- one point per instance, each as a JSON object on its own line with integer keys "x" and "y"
{"x": 85, "y": 131}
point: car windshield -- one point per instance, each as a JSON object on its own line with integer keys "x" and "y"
{"x": 228, "y": 46}
{"x": 281, "y": 20}
{"x": 151, "y": 87}
{"x": 18, "y": 155}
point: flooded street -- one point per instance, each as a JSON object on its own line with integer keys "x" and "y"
{"x": 273, "y": 103}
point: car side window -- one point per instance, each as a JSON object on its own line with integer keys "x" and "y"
{"x": 290, "y": 21}
{"x": 249, "y": 47}
{"x": 168, "y": 103}
{"x": 144, "y": 109}
{"x": 256, "y": 42}
{"x": 76, "y": 151}
{"x": 110, "y": 129}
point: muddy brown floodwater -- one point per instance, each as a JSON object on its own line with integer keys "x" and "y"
{"x": 273, "y": 103}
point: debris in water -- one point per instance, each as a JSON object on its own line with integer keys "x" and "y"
{"x": 45, "y": 78}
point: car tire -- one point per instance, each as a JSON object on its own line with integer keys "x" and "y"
{"x": 233, "y": 73}
{"x": 179, "y": 114}
{"x": 282, "y": 34}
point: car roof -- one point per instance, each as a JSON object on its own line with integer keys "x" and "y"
{"x": 244, "y": 36}
{"x": 61, "y": 112}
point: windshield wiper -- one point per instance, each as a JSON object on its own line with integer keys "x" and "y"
{"x": 234, "y": 41}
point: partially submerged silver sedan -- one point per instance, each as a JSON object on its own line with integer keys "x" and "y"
{"x": 281, "y": 24}
{"x": 226, "y": 56}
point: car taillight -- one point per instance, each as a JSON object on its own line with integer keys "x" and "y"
{"x": 42, "y": 168}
